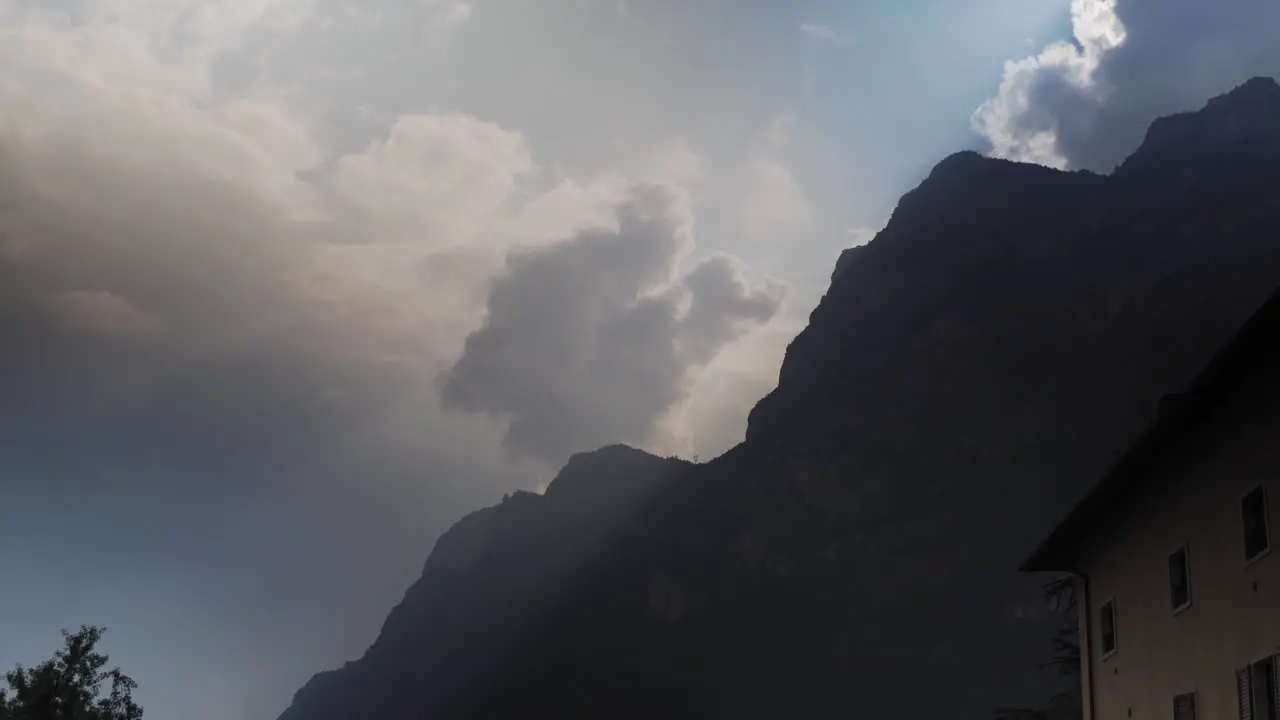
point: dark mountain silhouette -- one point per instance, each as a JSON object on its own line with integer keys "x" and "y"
{"x": 968, "y": 373}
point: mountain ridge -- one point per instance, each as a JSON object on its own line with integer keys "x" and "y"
{"x": 1242, "y": 115}
{"x": 967, "y": 373}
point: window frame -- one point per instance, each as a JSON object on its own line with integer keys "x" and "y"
{"x": 1185, "y": 549}
{"x": 1195, "y": 704}
{"x": 1266, "y": 523}
{"x": 1271, "y": 664}
{"x": 1115, "y": 631}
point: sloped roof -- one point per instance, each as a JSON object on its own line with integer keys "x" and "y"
{"x": 1122, "y": 488}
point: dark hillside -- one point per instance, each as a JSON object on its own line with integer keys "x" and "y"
{"x": 968, "y": 373}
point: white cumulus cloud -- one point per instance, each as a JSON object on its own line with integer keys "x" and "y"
{"x": 1087, "y": 103}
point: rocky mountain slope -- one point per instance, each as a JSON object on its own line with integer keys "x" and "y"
{"x": 968, "y": 373}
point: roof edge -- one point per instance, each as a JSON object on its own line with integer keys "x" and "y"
{"x": 1058, "y": 552}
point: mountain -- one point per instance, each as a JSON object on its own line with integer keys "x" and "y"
{"x": 968, "y": 373}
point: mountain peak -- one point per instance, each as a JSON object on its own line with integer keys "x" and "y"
{"x": 1246, "y": 116}
{"x": 616, "y": 472}
{"x": 1259, "y": 88}
{"x": 963, "y": 167}
{"x": 905, "y": 457}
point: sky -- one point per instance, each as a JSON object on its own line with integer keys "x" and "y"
{"x": 288, "y": 286}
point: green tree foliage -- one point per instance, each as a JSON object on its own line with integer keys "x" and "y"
{"x": 73, "y": 685}
{"x": 1060, "y": 594}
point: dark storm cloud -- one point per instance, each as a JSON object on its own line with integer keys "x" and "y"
{"x": 721, "y": 304}
{"x": 588, "y": 342}
{"x": 234, "y": 254}
{"x": 1176, "y": 54}
{"x": 126, "y": 323}
{"x": 192, "y": 391}
{"x": 175, "y": 383}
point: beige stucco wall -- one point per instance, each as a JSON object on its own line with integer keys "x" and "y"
{"x": 1234, "y": 617}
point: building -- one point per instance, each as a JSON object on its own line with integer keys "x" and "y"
{"x": 1177, "y": 587}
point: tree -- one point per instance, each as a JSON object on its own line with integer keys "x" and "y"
{"x": 1060, "y": 594}
{"x": 70, "y": 686}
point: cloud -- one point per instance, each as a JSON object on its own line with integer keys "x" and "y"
{"x": 1087, "y": 103}
{"x": 675, "y": 163}
{"x": 726, "y": 391}
{"x": 221, "y": 328}
{"x": 105, "y": 313}
{"x": 436, "y": 179}
{"x": 773, "y": 200}
{"x": 822, "y": 33}
{"x": 453, "y": 11}
{"x": 586, "y": 341}
{"x": 211, "y": 298}
{"x": 236, "y": 264}
{"x": 203, "y": 269}
{"x": 720, "y": 304}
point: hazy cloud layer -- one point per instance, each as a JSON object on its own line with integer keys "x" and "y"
{"x": 221, "y": 325}
{"x": 1087, "y": 104}
{"x": 200, "y": 232}
{"x": 822, "y": 33}
{"x": 586, "y": 341}
{"x": 773, "y": 204}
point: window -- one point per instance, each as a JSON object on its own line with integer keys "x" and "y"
{"x": 1256, "y": 689}
{"x": 1107, "y": 625}
{"x": 1253, "y": 510}
{"x": 1179, "y": 579}
{"x": 1264, "y": 689}
{"x": 1244, "y": 693}
{"x": 1184, "y": 707}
